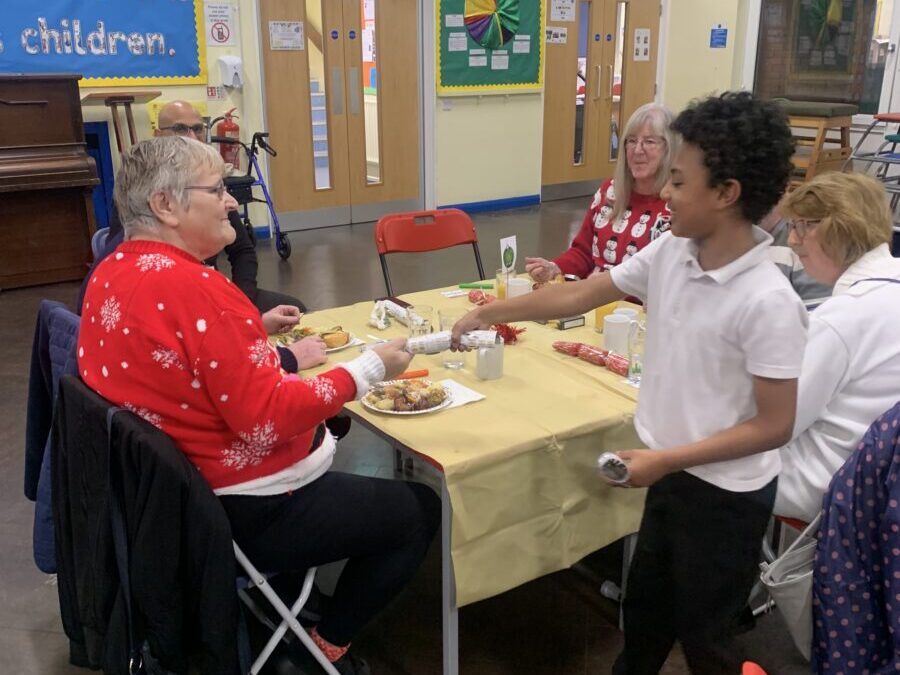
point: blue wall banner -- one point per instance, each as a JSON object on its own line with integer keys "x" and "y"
{"x": 110, "y": 42}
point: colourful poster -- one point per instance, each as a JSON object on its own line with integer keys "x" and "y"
{"x": 489, "y": 46}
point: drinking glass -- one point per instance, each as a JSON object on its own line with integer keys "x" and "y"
{"x": 447, "y": 318}
{"x": 419, "y": 319}
{"x": 637, "y": 338}
{"x": 601, "y": 313}
{"x": 502, "y": 276}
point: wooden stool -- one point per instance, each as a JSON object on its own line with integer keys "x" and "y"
{"x": 124, "y": 98}
{"x": 819, "y": 152}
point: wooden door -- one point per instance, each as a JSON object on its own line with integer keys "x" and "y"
{"x": 581, "y": 131}
{"x": 639, "y": 63}
{"x": 381, "y": 55}
{"x": 306, "y": 112}
{"x": 343, "y": 111}
{"x": 574, "y": 96}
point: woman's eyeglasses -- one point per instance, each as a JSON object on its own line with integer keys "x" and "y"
{"x": 648, "y": 143}
{"x": 185, "y": 129}
{"x": 218, "y": 190}
{"x": 801, "y": 227}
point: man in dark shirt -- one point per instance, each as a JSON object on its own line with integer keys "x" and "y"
{"x": 179, "y": 118}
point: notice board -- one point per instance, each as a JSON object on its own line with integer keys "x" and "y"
{"x": 489, "y": 46}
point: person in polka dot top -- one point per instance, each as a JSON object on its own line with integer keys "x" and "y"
{"x": 180, "y": 345}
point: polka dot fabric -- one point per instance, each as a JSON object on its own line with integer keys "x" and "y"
{"x": 856, "y": 581}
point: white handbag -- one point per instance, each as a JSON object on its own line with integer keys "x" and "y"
{"x": 788, "y": 579}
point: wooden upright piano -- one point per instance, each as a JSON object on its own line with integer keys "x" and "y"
{"x": 46, "y": 179}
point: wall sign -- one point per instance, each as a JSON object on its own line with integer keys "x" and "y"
{"x": 122, "y": 43}
{"x": 562, "y": 10}
{"x": 286, "y": 35}
{"x": 220, "y": 24}
{"x": 718, "y": 37}
{"x": 641, "y": 44}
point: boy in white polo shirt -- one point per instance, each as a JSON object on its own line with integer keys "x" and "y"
{"x": 725, "y": 340}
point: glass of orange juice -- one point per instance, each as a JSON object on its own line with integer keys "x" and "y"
{"x": 601, "y": 313}
{"x": 502, "y": 278}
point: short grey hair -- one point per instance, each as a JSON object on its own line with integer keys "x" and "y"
{"x": 161, "y": 164}
{"x": 660, "y": 120}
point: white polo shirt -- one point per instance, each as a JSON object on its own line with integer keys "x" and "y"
{"x": 708, "y": 334}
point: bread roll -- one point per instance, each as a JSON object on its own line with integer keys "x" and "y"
{"x": 336, "y": 339}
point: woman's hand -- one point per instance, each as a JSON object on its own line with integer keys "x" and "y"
{"x": 281, "y": 318}
{"x": 310, "y": 351}
{"x": 541, "y": 270}
{"x": 393, "y": 356}
{"x": 645, "y": 466}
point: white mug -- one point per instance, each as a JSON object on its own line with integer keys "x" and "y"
{"x": 630, "y": 312}
{"x": 516, "y": 287}
{"x": 489, "y": 361}
{"x": 616, "y": 329}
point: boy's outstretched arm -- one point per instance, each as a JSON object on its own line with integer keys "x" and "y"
{"x": 771, "y": 427}
{"x": 552, "y": 302}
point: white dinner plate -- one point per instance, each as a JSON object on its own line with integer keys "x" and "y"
{"x": 353, "y": 341}
{"x": 446, "y": 402}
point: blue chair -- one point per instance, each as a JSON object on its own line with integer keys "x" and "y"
{"x": 98, "y": 241}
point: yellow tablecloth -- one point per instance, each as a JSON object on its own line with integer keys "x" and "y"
{"x": 519, "y": 465}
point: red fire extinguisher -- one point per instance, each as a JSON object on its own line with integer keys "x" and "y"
{"x": 231, "y": 152}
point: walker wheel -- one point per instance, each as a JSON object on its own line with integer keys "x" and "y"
{"x": 283, "y": 246}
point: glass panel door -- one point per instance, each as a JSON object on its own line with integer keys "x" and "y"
{"x": 371, "y": 109}
{"x": 615, "y": 84}
{"x": 318, "y": 95}
{"x": 581, "y": 80}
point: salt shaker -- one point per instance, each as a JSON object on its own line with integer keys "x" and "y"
{"x": 489, "y": 361}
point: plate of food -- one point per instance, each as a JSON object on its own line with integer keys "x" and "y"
{"x": 335, "y": 338}
{"x": 407, "y": 397}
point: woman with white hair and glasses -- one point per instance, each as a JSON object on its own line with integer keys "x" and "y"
{"x": 841, "y": 229}
{"x": 627, "y": 212}
{"x": 180, "y": 345}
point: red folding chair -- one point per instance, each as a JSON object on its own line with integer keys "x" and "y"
{"x": 419, "y": 231}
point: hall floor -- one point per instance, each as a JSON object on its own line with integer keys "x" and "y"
{"x": 556, "y": 625}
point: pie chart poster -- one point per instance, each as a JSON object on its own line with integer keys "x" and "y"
{"x": 489, "y": 46}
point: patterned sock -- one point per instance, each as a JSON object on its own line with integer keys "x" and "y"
{"x": 331, "y": 652}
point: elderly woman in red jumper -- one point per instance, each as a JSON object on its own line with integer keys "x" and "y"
{"x": 627, "y": 212}
{"x": 181, "y": 346}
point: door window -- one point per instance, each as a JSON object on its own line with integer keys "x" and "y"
{"x": 318, "y": 96}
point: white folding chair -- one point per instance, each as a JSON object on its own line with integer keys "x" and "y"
{"x": 288, "y": 616}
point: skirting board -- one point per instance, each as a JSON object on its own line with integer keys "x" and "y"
{"x": 495, "y": 204}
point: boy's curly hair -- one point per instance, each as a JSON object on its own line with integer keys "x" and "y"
{"x": 745, "y": 139}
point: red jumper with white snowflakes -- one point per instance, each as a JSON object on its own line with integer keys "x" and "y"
{"x": 178, "y": 344}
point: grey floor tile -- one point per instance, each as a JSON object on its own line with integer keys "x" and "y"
{"x": 557, "y": 625}
{"x": 33, "y": 652}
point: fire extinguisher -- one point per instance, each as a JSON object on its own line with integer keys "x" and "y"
{"x": 231, "y": 152}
